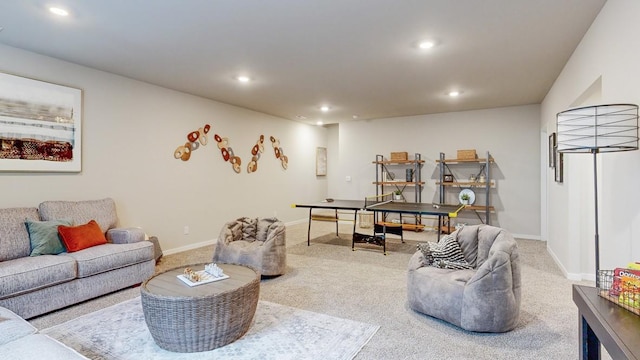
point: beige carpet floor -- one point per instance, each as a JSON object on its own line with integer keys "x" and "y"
{"x": 367, "y": 286}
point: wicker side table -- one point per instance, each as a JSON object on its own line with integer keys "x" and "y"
{"x": 204, "y": 317}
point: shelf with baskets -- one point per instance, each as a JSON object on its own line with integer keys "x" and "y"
{"x": 409, "y": 180}
{"x": 478, "y": 178}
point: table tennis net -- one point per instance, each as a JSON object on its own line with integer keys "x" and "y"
{"x": 374, "y": 200}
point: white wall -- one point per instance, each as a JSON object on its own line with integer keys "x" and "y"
{"x": 130, "y": 132}
{"x": 607, "y": 54}
{"x": 511, "y": 134}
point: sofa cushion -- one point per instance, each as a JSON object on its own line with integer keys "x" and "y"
{"x": 44, "y": 237}
{"x": 81, "y": 212}
{"x": 76, "y": 238}
{"x": 125, "y": 235}
{"x": 38, "y": 346}
{"x": 31, "y": 273}
{"x": 103, "y": 258}
{"x": 13, "y": 327}
{"x": 14, "y": 238}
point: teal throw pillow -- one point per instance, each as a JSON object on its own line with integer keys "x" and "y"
{"x": 44, "y": 237}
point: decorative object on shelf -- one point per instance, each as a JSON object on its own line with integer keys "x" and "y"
{"x": 256, "y": 152}
{"x": 595, "y": 129}
{"x": 399, "y": 156}
{"x": 447, "y": 178}
{"x": 279, "y": 152}
{"x": 467, "y": 154}
{"x": 40, "y": 126}
{"x": 397, "y": 195}
{"x": 409, "y": 175}
{"x": 472, "y": 178}
{"x": 482, "y": 179}
{"x": 194, "y": 140}
{"x": 321, "y": 161}
{"x": 467, "y": 197}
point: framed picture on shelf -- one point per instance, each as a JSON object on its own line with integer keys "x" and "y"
{"x": 40, "y": 125}
{"x": 559, "y": 165}
{"x": 447, "y": 178}
{"x": 552, "y": 150}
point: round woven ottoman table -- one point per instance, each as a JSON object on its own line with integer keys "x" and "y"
{"x": 183, "y": 318}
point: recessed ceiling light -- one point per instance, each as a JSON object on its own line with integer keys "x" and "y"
{"x": 355, "y": 116}
{"x": 325, "y": 108}
{"x": 319, "y": 123}
{"x": 454, "y": 93}
{"x": 58, "y": 11}
{"x": 243, "y": 79}
{"x": 427, "y": 44}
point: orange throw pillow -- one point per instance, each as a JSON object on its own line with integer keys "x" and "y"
{"x": 76, "y": 238}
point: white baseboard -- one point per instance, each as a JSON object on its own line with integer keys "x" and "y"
{"x": 189, "y": 247}
{"x": 568, "y": 275}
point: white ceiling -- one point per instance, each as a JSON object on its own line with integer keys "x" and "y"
{"x": 358, "y": 56}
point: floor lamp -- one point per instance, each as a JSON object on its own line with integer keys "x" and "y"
{"x": 597, "y": 129}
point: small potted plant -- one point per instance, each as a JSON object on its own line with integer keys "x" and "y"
{"x": 465, "y": 199}
{"x": 397, "y": 195}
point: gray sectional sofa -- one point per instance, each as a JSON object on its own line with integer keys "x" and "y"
{"x": 34, "y": 285}
{"x": 19, "y": 340}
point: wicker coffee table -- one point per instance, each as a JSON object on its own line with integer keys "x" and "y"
{"x": 204, "y": 317}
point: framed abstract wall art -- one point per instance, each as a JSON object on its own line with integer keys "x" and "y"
{"x": 321, "y": 161}
{"x": 40, "y": 126}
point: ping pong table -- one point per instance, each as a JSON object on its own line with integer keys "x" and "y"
{"x": 443, "y": 212}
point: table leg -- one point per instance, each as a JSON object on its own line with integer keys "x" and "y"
{"x": 309, "y": 229}
{"x": 589, "y": 342}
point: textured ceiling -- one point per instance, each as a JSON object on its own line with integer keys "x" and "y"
{"x": 358, "y": 56}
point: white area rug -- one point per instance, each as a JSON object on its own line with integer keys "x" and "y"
{"x": 278, "y": 332}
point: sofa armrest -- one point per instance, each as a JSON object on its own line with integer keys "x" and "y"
{"x": 125, "y": 235}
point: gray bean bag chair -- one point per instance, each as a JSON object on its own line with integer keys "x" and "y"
{"x": 256, "y": 242}
{"x": 484, "y": 298}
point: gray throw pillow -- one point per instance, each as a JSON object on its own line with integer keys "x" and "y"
{"x": 444, "y": 254}
{"x": 44, "y": 237}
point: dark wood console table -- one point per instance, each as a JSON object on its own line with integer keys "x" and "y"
{"x": 602, "y": 321}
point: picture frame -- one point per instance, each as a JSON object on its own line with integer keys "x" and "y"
{"x": 40, "y": 126}
{"x": 321, "y": 161}
{"x": 447, "y": 178}
{"x": 552, "y": 150}
{"x": 559, "y": 165}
